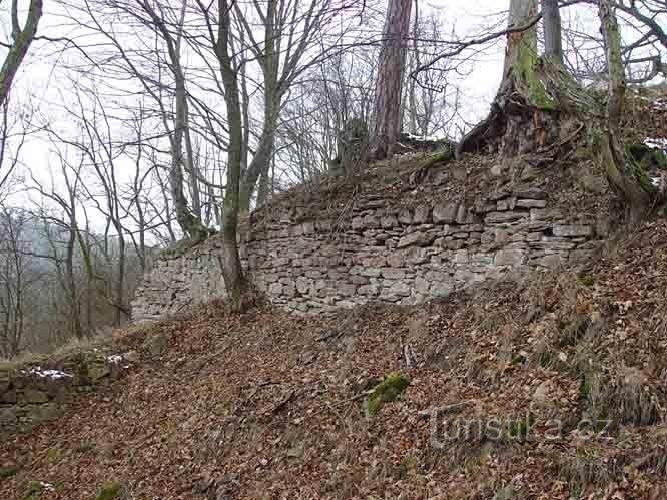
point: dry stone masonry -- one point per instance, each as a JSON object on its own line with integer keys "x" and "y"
{"x": 377, "y": 251}
{"x": 32, "y": 394}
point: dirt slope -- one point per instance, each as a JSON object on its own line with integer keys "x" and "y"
{"x": 268, "y": 405}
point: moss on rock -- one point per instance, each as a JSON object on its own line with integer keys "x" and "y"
{"x": 109, "y": 491}
{"x": 8, "y": 472}
{"x": 386, "y": 391}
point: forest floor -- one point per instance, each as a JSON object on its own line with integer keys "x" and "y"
{"x": 555, "y": 387}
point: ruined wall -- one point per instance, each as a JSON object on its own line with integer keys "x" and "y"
{"x": 34, "y": 393}
{"x": 378, "y": 248}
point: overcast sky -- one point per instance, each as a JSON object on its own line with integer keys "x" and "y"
{"x": 41, "y": 79}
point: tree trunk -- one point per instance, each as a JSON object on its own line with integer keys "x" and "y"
{"x": 540, "y": 109}
{"x": 622, "y": 171}
{"x": 21, "y": 40}
{"x": 231, "y": 262}
{"x": 388, "y": 89}
{"x": 189, "y": 222}
{"x": 261, "y": 160}
{"x": 553, "y": 35}
{"x": 526, "y": 113}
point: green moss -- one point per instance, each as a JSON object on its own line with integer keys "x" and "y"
{"x": 52, "y": 454}
{"x": 528, "y": 62}
{"x": 109, "y": 491}
{"x": 647, "y": 156}
{"x": 643, "y": 158}
{"x": 586, "y": 281}
{"x": 440, "y": 157}
{"x": 35, "y": 489}
{"x": 85, "y": 447}
{"x": 7, "y": 472}
{"x": 386, "y": 391}
{"x": 642, "y": 177}
{"x": 584, "y": 388}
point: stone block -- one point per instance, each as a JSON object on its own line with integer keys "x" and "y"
{"x": 441, "y": 289}
{"x": 417, "y": 238}
{"x": 504, "y": 217}
{"x": 531, "y": 203}
{"x": 8, "y": 417}
{"x": 389, "y": 221}
{"x": 530, "y": 193}
{"x": 422, "y": 285}
{"x": 545, "y": 214}
{"x": 32, "y": 396}
{"x": 572, "y": 230}
{"x": 510, "y": 257}
{"x": 369, "y": 290}
{"x": 422, "y": 215}
{"x": 405, "y": 216}
{"x": 347, "y": 289}
{"x": 553, "y": 261}
{"x": 445, "y": 213}
{"x": 393, "y": 274}
{"x": 397, "y": 290}
{"x": 371, "y": 272}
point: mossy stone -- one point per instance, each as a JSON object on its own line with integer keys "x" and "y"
{"x": 386, "y": 391}
{"x": 6, "y": 472}
{"x": 109, "y": 491}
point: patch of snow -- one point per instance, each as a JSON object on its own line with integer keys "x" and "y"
{"x": 656, "y": 142}
{"x": 47, "y": 486}
{"x": 52, "y": 374}
{"x": 425, "y": 138}
{"x": 660, "y": 104}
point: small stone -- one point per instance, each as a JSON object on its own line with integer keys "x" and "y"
{"x": 389, "y": 221}
{"x": 553, "y": 261}
{"x": 445, "y": 213}
{"x": 503, "y": 217}
{"x": 405, "y": 217}
{"x": 496, "y": 170}
{"x": 422, "y": 215}
{"x": 393, "y": 274}
{"x": 369, "y": 290}
{"x": 34, "y": 396}
{"x": 417, "y": 238}
{"x": 441, "y": 289}
{"x": 371, "y": 272}
{"x": 572, "y": 230}
{"x": 131, "y": 356}
{"x": 531, "y": 193}
{"x": 531, "y": 203}
{"x": 510, "y": 257}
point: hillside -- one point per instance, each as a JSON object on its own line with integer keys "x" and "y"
{"x": 268, "y": 405}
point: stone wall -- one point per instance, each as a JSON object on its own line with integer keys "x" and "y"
{"x": 378, "y": 250}
{"x": 33, "y": 393}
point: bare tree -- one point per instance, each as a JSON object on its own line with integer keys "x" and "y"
{"x": 621, "y": 169}
{"x": 231, "y": 262}
{"x": 14, "y": 280}
{"x": 387, "y": 108}
{"x": 553, "y": 34}
{"x": 21, "y": 39}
